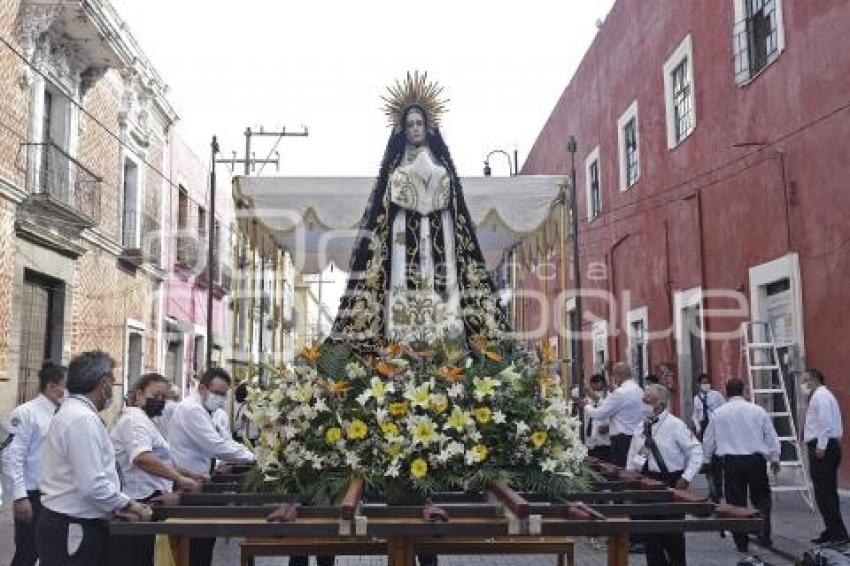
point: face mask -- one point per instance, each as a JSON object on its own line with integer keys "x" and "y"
{"x": 108, "y": 402}
{"x": 63, "y": 398}
{"x": 214, "y": 401}
{"x": 805, "y": 388}
{"x": 648, "y": 410}
{"x": 153, "y": 406}
{"x": 705, "y": 387}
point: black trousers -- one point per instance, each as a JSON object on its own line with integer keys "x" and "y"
{"x": 745, "y": 476}
{"x": 52, "y": 540}
{"x": 665, "y": 549}
{"x": 620, "y": 449}
{"x": 823, "y": 472}
{"x": 201, "y": 551}
{"x": 133, "y": 550}
{"x": 25, "y": 551}
{"x": 714, "y": 477}
{"x": 601, "y": 452}
{"x": 302, "y": 560}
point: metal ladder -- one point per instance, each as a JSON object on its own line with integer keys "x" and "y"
{"x": 760, "y": 360}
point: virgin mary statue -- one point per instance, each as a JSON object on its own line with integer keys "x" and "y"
{"x": 417, "y": 273}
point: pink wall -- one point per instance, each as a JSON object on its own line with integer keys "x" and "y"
{"x": 649, "y": 237}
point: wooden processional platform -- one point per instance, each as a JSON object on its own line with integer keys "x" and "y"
{"x": 500, "y": 521}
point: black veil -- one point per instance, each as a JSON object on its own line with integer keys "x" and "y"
{"x": 361, "y": 319}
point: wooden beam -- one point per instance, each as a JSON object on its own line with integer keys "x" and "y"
{"x": 511, "y": 499}
{"x": 351, "y": 499}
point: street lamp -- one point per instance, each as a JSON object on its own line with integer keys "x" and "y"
{"x": 575, "y": 322}
{"x": 512, "y": 165}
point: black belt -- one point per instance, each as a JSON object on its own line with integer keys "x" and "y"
{"x": 741, "y": 457}
{"x": 48, "y": 513}
{"x": 814, "y": 443}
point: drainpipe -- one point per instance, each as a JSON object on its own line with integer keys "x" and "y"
{"x": 612, "y": 290}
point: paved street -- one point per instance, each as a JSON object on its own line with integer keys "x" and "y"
{"x": 794, "y": 524}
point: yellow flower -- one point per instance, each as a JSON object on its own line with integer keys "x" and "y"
{"x": 483, "y": 414}
{"x": 398, "y": 409}
{"x": 357, "y": 430}
{"x": 389, "y": 429}
{"x": 539, "y": 438}
{"x": 458, "y": 419}
{"x": 480, "y": 452}
{"x": 333, "y": 434}
{"x": 424, "y": 432}
{"x": 484, "y": 387}
{"x": 418, "y": 468}
{"x": 439, "y": 403}
{"x": 395, "y": 450}
{"x": 339, "y": 387}
{"x": 418, "y": 396}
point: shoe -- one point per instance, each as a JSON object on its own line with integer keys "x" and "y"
{"x": 821, "y": 538}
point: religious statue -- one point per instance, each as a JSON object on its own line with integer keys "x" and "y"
{"x": 417, "y": 272}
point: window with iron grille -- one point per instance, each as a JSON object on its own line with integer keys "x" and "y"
{"x": 631, "y": 150}
{"x": 595, "y": 196}
{"x": 756, "y": 36}
{"x": 682, "y": 104}
{"x": 130, "y": 217}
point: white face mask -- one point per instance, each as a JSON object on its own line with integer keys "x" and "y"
{"x": 108, "y": 403}
{"x": 213, "y": 401}
{"x": 705, "y": 387}
{"x": 805, "y": 388}
{"x": 63, "y": 398}
{"x": 648, "y": 410}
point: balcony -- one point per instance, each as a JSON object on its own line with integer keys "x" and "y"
{"x": 144, "y": 246}
{"x": 62, "y": 190}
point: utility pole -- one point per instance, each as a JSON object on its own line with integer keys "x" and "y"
{"x": 250, "y": 163}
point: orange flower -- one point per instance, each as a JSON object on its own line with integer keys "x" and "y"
{"x": 312, "y": 353}
{"x": 394, "y": 349}
{"x": 340, "y": 387}
{"x": 486, "y": 349}
{"x": 385, "y": 368}
{"x": 453, "y": 374}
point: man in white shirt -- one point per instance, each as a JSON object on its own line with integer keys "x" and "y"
{"x": 706, "y": 401}
{"x": 596, "y": 431}
{"x": 664, "y": 449}
{"x": 623, "y": 410}
{"x": 741, "y": 433}
{"x": 195, "y": 441}
{"x": 822, "y": 434}
{"x": 21, "y": 459}
{"x": 79, "y": 483}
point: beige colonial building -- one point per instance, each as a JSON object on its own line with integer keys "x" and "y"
{"x": 84, "y": 129}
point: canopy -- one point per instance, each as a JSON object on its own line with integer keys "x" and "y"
{"x": 316, "y": 218}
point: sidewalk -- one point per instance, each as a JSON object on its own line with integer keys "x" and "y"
{"x": 793, "y": 525}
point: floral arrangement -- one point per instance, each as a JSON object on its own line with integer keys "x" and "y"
{"x": 415, "y": 421}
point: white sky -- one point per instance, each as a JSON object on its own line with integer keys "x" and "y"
{"x": 325, "y": 63}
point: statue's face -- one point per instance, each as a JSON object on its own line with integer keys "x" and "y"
{"x": 414, "y": 127}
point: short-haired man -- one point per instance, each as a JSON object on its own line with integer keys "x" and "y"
{"x": 741, "y": 433}
{"x": 822, "y": 434}
{"x": 21, "y": 459}
{"x": 195, "y": 441}
{"x": 706, "y": 401}
{"x": 664, "y": 449}
{"x": 79, "y": 483}
{"x": 623, "y": 410}
{"x": 596, "y": 435}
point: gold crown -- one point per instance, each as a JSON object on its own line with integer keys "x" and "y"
{"x": 414, "y": 91}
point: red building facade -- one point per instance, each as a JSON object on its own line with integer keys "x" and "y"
{"x": 713, "y": 183}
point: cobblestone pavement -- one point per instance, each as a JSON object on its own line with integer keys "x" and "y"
{"x": 793, "y": 525}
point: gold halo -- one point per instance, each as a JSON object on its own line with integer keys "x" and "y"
{"x": 415, "y": 90}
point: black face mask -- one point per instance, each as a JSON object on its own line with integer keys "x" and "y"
{"x": 153, "y": 406}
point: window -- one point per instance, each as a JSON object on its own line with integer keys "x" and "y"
{"x": 200, "y": 355}
{"x": 42, "y": 309}
{"x": 594, "y": 188}
{"x": 758, "y": 36}
{"x": 131, "y": 193}
{"x": 202, "y": 223}
{"x": 133, "y": 353}
{"x": 183, "y": 241}
{"x": 599, "y": 337}
{"x": 629, "y": 145}
{"x": 55, "y": 167}
{"x": 638, "y": 354}
{"x": 679, "y": 94}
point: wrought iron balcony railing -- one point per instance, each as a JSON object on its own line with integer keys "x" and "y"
{"x": 54, "y": 175}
